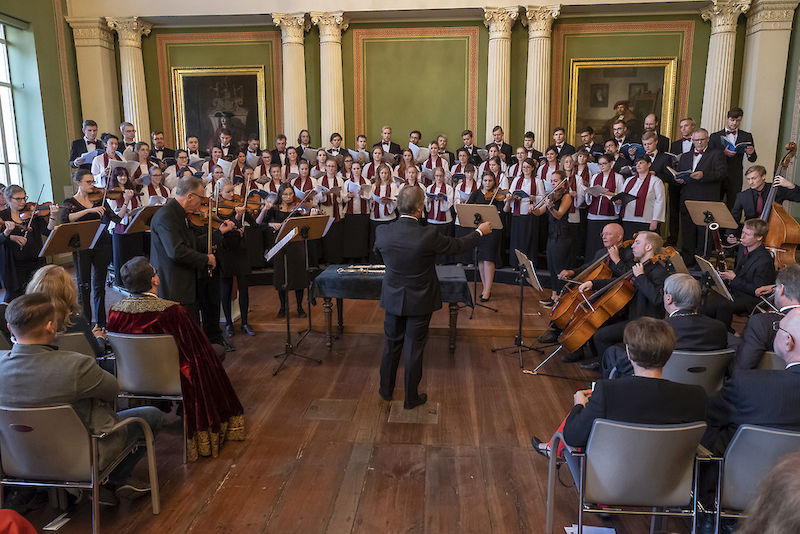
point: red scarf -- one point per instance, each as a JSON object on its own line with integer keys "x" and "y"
{"x": 601, "y": 205}
{"x": 272, "y": 187}
{"x": 585, "y": 176}
{"x": 371, "y": 171}
{"x": 543, "y": 171}
{"x": 238, "y": 171}
{"x": 106, "y": 158}
{"x": 471, "y": 189}
{"x": 264, "y": 169}
{"x": 517, "y": 170}
{"x": 382, "y": 191}
{"x": 305, "y": 186}
{"x": 160, "y": 192}
{"x": 573, "y": 186}
{"x": 439, "y": 214}
{"x": 331, "y": 201}
{"x": 519, "y": 184}
{"x": 358, "y": 180}
{"x": 641, "y": 195}
{"x": 458, "y": 169}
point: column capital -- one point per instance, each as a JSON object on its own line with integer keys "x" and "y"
{"x": 91, "y": 32}
{"x": 129, "y": 30}
{"x": 539, "y": 19}
{"x": 293, "y": 26}
{"x": 499, "y": 20}
{"x": 770, "y": 15}
{"x": 331, "y": 25}
{"x": 724, "y": 14}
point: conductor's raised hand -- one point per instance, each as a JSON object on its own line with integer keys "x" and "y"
{"x": 485, "y": 227}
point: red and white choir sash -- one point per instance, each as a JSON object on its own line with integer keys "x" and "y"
{"x": 573, "y": 186}
{"x": 238, "y": 172}
{"x": 120, "y": 202}
{"x": 272, "y": 187}
{"x": 458, "y": 169}
{"x": 601, "y": 205}
{"x": 431, "y": 164}
{"x": 331, "y": 200}
{"x": 382, "y": 192}
{"x": 439, "y": 213}
{"x": 522, "y": 184}
{"x": 517, "y": 172}
{"x": 305, "y": 186}
{"x": 157, "y": 191}
{"x": 585, "y": 176}
{"x": 543, "y": 171}
{"x": 641, "y": 195}
{"x": 358, "y": 180}
{"x": 106, "y": 158}
{"x": 370, "y": 168}
{"x": 462, "y": 187}
{"x": 264, "y": 169}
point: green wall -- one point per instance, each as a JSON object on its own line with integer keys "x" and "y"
{"x": 519, "y": 75}
{"x": 790, "y": 95}
{"x": 39, "y": 95}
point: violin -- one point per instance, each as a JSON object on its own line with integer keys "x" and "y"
{"x": 783, "y": 236}
{"x": 601, "y": 306}
{"x": 495, "y": 194}
{"x": 31, "y": 209}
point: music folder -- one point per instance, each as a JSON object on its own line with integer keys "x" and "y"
{"x": 467, "y": 214}
{"x": 71, "y": 237}
{"x": 717, "y": 212}
{"x": 719, "y": 286}
{"x": 141, "y": 220}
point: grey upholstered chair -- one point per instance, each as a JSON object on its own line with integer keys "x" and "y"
{"x": 148, "y": 368}
{"x": 706, "y": 369}
{"x": 770, "y": 360}
{"x": 631, "y": 465}
{"x": 51, "y": 447}
{"x": 74, "y": 342}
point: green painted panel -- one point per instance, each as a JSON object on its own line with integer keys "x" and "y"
{"x": 519, "y": 75}
{"x": 790, "y": 95}
{"x": 313, "y": 103}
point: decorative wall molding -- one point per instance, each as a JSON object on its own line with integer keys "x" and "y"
{"x": 500, "y": 20}
{"x": 770, "y": 15}
{"x": 91, "y": 32}
{"x": 331, "y": 25}
{"x": 293, "y": 26}
{"x": 539, "y": 20}
{"x": 724, "y": 14}
{"x": 129, "y": 30}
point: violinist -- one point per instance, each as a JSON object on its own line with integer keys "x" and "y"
{"x": 233, "y": 259}
{"x": 155, "y": 190}
{"x": 751, "y": 202}
{"x": 648, "y": 288}
{"x": 332, "y": 197}
{"x": 649, "y": 209}
{"x": 124, "y": 246}
{"x": 601, "y": 210}
{"x": 577, "y": 192}
{"x": 294, "y": 275}
{"x": 21, "y": 240}
{"x": 100, "y": 164}
{"x": 384, "y": 201}
{"x": 489, "y": 244}
{"x": 524, "y": 223}
{"x": 90, "y": 264}
{"x": 754, "y": 268}
{"x": 356, "y": 222}
{"x": 559, "y": 233}
{"x": 438, "y": 208}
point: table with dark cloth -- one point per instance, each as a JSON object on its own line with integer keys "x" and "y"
{"x": 364, "y": 282}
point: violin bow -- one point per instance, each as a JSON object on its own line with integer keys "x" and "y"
{"x": 30, "y": 219}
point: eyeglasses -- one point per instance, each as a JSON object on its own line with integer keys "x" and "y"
{"x": 19, "y": 198}
{"x": 776, "y": 326}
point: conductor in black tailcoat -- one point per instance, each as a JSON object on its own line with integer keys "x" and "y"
{"x": 410, "y": 292}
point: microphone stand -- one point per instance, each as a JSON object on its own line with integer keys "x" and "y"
{"x": 475, "y": 300}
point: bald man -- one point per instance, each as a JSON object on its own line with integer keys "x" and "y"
{"x": 760, "y": 396}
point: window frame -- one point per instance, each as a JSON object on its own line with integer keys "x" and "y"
{"x": 6, "y": 161}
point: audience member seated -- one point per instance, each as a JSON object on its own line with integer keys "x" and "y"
{"x": 212, "y": 410}
{"x": 760, "y": 396}
{"x": 35, "y": 373}
{"x": 644, "y": 398}
{"x": 13, "y": 523}
{"x": 776, "y": 508}
{"x": 693, "y": 332}
{"x": 758, "y": 334}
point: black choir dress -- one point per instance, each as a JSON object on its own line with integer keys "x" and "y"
{"x": 294, "y": 253}
{"x": 17, "y": 264}
{"x": 489, "y": 245}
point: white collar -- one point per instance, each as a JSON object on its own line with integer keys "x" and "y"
{"x": 787, "y": 308}
{"x": 792, "y": 364}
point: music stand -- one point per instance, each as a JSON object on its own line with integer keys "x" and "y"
{"x": 141, "y": 221}
{"x": 326, "y": 227}
{"x": 712, "y": 278}
{"x": 525, "y": 273}
{"x": 708, "y": 213}
{"x": 295, "y": 229}
{"x": 478, "y": 213}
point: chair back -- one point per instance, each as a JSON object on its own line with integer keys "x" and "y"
{"x": 705, "y": 369}
{"x": 75, "y": 342}
{"x": 49, "y": 444}
{"x": 752, "y": 452}
{"x": 146, "y": 364}
{"x": 771, "y": 361}
{"x": 5, "y": 343}
{"x": 641, "y": 465}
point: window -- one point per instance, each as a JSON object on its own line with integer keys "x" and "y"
{"x": 10, "y": 170}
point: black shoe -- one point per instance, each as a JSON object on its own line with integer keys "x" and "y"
{"x": 301, "y": 312}
{"x": 281, "y": 313}
{"x": 229, "y": 331}
{"x": 421, "y": 399}
{"x": 247, "y": 330}
{"x": 551, "y": 336}
{"x": 572, "y": 357}
{"x": 485, "y": 299}
{"x": 228, "y": 346}
{"x": 132, "y": 489}
{"x": 384, "y": 396}
{"x": 591, "y": 365}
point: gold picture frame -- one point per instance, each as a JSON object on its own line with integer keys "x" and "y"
{"x": 627, "y": 67}
{"x": 179, "y": 75}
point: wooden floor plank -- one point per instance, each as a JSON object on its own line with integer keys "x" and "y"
{"x": 350, "y": 490}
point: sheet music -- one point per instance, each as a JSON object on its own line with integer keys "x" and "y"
{"x": 280, "y": 244}
{"x": 226, "y": 166}
{"x": 252, "y": 160}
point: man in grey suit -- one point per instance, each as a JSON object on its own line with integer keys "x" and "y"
{"x": 35, "y": 373}
{"x": 410, "y": 292}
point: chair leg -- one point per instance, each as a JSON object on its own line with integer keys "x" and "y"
{"x": 551, "y": 485}
{"x": 581, "y": 493}
{"x": 95, "y": 487}
{"x": 185, "y": 445}
{"x": 718, "y": 511}
{"x": 151, "y": 466}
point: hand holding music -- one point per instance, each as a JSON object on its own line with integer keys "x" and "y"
{"x": 582, "y": 396}
{"x": 212, "y": 261}
{"x": 98, "y": 331}
{"x": 565, "y": 274}
{"x": 729, "y": 153}
{"x": 637, "y": 270}
{"x": 696, "y": 175}
{"x": 727, "y": 275}
{"x": 586, "y": 286}
{"x": 763, "y": 291}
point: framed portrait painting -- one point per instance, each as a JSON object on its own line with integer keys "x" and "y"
{"x": 208, "y": 100}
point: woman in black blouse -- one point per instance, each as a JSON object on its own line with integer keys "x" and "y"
{"x": 21, "y": 242}
{"x": 489, "y": 245}
{"x": 90, "y": 264}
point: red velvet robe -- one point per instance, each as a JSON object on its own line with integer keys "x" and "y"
{"x": 212, "y": 410}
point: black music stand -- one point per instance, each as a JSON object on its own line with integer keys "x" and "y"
{"x": 709, "y": 214}
{"x": 478, "y": 213}
{"x": 294, "y": 229}
{"x": 141, "y": 221}
{"x": 325, "y": 221}
{"x": 525, "y": 272}
{"x": 711, "y": 278}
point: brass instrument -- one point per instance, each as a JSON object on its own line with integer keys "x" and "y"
{"x": 363, "y": 269}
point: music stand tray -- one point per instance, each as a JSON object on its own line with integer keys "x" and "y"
{"x": 71, "y": 237}
{"x": 469, "y": 213}
{"x": 698, "y": 209}
{"x": 141, "y": 221}
{"x": 719, "y": 285}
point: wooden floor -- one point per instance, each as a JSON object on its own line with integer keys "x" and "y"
{"x": 311, "y": 465}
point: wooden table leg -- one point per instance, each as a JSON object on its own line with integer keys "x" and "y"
{"x": 340, "y": 316}
{"x": 453, "y": 322}
{"x": 326, "y": 308}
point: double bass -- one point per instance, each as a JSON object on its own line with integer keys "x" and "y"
{"x": 783, "y": 236}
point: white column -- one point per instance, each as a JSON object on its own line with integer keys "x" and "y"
{"x": 134, "y": 92}
{"x": 295, "y": 111}
{"x": 723, "y": 15}
{"x": 499, "y": 20}
{"x": 97, "y": 72}
{"x": 766, "y": 51}
{"x": 331, "y": 26}
{"x": 537, "y": 96}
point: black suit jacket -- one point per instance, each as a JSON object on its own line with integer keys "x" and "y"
{"x": 394, "y": 148}
{"x": 619, "y": 163}
{"x": 174, "y": 254}
{"x": 201, "y": 153}
{"x": 410, "y": 286}
{"x": 78, "y": 148}
{"x": 734, "y": 163}
{"x": 167, "y": 153}
{"x": 754, "y": 270}
{"x": 698, "y": 332}
{"x": 648, "y": 297}
{"x": 506, "y": 150}
{"x": 659, "y": 166}
{"x": 757, "y": 397}
{"x": 663, "y": 143}
{"x": 676, "y": 147}
{"x": 635, "y": 399}
{"x": 595, "y": 150}
{"x": 746, "y": 201}
{"x": 474, "y": 158}
{"x": 707, "y": 187}
{"x": 276, "y": 157}
{"x": 566, "y": 150}
{"x": 626, "y": 261}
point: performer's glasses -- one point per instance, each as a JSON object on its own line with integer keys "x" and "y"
{"x": 777, "y": 326}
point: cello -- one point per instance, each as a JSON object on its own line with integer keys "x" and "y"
{"x": 783, "y": 236}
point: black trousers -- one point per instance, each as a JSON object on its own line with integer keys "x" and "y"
{"x": 558, "y": 254}
{"x": 674, "y": 209}
{"x": 124, "y": 248}
{"x": 406, "y": 335}
{"x": 718, "y": 307}
{"x": 91, "y": 272}
{"x": 227, "y": 292}
{"x": 208, "y": 302}
{"x": 629, "y": 228}
{"x": 606, "y": 336}
{"x": 24, "y": 274}
{"x": 298, "y": 295}
{"x": 692, "y": 238}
